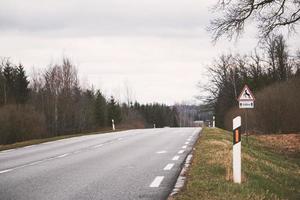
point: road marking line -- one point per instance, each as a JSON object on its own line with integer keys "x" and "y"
{"x": 99, "y": 145}
{"x": 160, "y": 152}
{"x": 36, "y": 162}
{"x": 63, "y": 155}
{"x": 186, "y": 143}
{"x": 4, "y": 171}
{"x": 180, "y": 152}
{"x": 157, "y": 181}
{"x": 169, "y": 166}
{"x": 7, "y": 151}
{"x": 189, "y": 140}
{"x": 184, "y": 147}
{"x": 175, "y": 158}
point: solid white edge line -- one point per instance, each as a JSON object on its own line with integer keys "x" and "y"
{"x": 175, "y": 158}
{"x": 169, "y": 166}
{"x": 157, "y": 181}
{"x": 7, "y": 151}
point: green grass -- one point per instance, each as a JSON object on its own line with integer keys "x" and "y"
{"x": 43, "y": 140}
{"x": 267, "y": 174}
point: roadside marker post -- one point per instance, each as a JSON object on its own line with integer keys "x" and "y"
{"x": 113, "y": 124}
{"x": 214, "y": 121}
{"x": 236, "y": 150}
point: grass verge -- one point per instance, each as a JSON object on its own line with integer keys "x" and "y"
{"x": 43, "y": 140}
{"x": 267, "y": 173}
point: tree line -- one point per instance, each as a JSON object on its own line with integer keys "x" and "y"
{"x": 53, "y": 103}
{"x": 273, "y": 74}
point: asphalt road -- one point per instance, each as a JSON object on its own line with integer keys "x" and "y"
{"x": 135, "y": 164}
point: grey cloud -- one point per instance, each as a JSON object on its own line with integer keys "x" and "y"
{"x": 114, "y": 17}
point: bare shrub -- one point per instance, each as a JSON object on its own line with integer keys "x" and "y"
{"x": 277, "y": 109}
{"x": 20, "y": 123}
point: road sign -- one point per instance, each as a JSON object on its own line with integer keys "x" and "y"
{"x": 246, "y": 104}
{"x": 246, "y": 98}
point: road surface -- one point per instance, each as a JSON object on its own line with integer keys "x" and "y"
{"x": 134, "y": 164}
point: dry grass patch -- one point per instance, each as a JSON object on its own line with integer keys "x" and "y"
{"x": 267, "y": 174}
{"x": 284, "y": 143}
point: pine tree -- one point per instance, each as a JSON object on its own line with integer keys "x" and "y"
{"x": 114, "y": 111}
{"x": 21, "y": 85}
{"x": 9, "y": 73}
{"x": 100, "y": 110}
{"x": 2, "y": 87}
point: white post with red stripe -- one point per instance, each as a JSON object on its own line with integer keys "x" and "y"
{"x": 113, "y": 124}
{"x": 236, "y": 152}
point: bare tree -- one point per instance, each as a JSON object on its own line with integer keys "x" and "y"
{"x": 269, "y": 15}
{"x": 278, "y": 57}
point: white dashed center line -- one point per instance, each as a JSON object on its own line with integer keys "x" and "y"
{"x": 169, "y": 166}
{"x": 160, "y": 152}
{"x": 186, "y": 143}
{"x": 175, "y": 158}
{"x": 157, "y": 181}
{"x": 184, "y": 147}
{"x": 99, "y": 145}
{"x": 63, "y": 155}
{"x": 180, "y": 152}
{"x": 4, "y": 171}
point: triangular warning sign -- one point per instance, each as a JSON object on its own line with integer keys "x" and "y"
{"x": 246, "y": 95}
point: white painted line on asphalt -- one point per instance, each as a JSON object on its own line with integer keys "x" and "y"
{"x": 78, "y": 151}
{"x": 184, "y": 147}
{"x": 4, "y": 171}
{"x": 188, "y": 139}
{"x": 175, "y": 158}
{"x": 157, "y": 181}
{"x": 186, "y": 143}
{"x": 63, "y": 155}
{"x": 99, "y": 145}
{"x": 169, "y": 166}
{"x": 7, "y": 151}
{"x": 27, "y": 147}
{"x": 180, "y": 152}
{"x": 161, "y": 152}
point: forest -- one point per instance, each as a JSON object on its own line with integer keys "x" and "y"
{"x": 272, "y": 72}
{"x": 53, "y": 103}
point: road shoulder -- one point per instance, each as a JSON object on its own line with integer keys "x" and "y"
{"x": 267, "y": 174}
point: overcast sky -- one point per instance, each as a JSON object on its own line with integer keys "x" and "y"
{"x": 159, "y": 49}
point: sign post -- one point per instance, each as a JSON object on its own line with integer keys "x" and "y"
{"x": 246, "y": 101}
{"x": 236, "y": 151}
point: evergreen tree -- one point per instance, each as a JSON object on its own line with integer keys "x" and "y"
{"x": 9, "y": 73}
{"x": 114, "y": 111}
{"x": 21, "y": 90}
{"x": 2, "y": 87}
{"x": 100, "y": 110}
